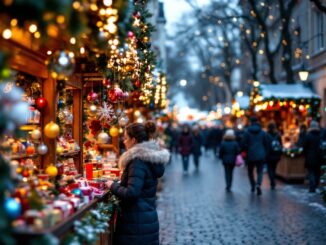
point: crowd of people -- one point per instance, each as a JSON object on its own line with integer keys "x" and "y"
{"x": 257, "y": 146}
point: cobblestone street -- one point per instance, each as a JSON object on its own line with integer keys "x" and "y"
{"x": 196, "y": 209}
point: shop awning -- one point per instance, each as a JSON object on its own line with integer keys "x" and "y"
{"x": 286, "y": 91}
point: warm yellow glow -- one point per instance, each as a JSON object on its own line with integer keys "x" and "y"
{"x": 93, "y": 7}
{"x": 37, "y": 34}
{"x": 76, "y": 5}
{"x": 107, "y": 2}
{"x": 256, "y": 83}
{"x": 13, "y": 22}
{"x": 49, "y": 52}
{"x": 60, "y": 19}
{"x": 73, "y": 40}
{"x": 7, "y": 34}
{"x": 32, "y": 28}
{"x": 82, "y": 50}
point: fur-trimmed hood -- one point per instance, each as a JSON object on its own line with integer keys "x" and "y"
{"x": 148, "y": 151}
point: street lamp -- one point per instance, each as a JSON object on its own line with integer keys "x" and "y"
{"x": 303, "y": 73}
{"x": 183, "y": 82}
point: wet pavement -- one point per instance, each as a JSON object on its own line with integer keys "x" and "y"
{"x": 196, "y": 209}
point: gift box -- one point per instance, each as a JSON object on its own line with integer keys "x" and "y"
{"x": 88, "y": 193}
{"x": 64, "y": 206}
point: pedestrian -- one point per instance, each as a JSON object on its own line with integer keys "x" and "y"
{"x": 313, "y": 158}
{"x": 142, "y": 165}
{"x": 256, "y": 146}
{"x": 197, "y": 144}
{"x": 302, "y": 135}
{"x": 185, "y": 144}
{"x": 228, "y": 153}
{"x": 274, "y": 153}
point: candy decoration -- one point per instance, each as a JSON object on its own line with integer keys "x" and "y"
{"x": 12, "y": 207}
{"x": 42, "y": 149}
{"x": 61, "y": 65}
{"x": 91, "y": 97}
{"x": 36, "y": 134}
{"x": 40, "y": 103}
{"x": 51, "y": 170}
{"x": 103, "y": 138}
{"x": 114, "y": 131}
{"x": 51, "y": 130}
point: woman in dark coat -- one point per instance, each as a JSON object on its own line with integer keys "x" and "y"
{"x": 275, "y": 152}
{"x": 142, "y": 164}
{"x": 313, "y": 155}
{"x": 228, "y": 152}
{"x": 185, "y": 146}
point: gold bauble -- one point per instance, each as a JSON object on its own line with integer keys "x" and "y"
{"x": 51, "y": 130}
{"x": 60, "y": 149}
{"x": 52, "y": 171}
{"x": 114, "y": 131}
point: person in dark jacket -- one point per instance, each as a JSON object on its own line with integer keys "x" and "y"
{"x": 185, "y": 144}
{"x": 255, "y": 143}
{"x": 274, "y": 153}
{"x": 197, "y": 144}
{"x": 302, "y": 135}
{"x": 228, "y": 152}
{"x": 142, "y": 165}
{"x": 313, "y": 157}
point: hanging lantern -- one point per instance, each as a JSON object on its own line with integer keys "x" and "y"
{"x": 61, "y": 65}
{"x": 51, "y": 130}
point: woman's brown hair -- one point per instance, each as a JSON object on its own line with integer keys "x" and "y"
{"x": 141, "y": 132}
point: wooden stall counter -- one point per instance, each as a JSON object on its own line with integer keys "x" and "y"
{"x": 291, "y": 168}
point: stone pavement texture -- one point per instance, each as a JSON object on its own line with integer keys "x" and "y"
{"x": 196, "y": 209}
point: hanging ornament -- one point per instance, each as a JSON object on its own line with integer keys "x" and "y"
{"x": 42, "y": 149}
{"x": 114, "y": 94}
{"x": 61, "y": 84}
{"x": 60, "y": 149}
{"x": 51, "y": 170}
{"x": 40, "y": 103}
{"x": 107, "y": 82}
{"x": 114, "y": 131}
{"x": 103, "y": 138}
{"x": 92, "y": 110}
{"x": 137, "y": 83}
{"x": 61, "y": 103}
{"x": 51, "y": 130}
{"x": 36, "y": 134}
{"x": 61, "y": 65}
{"x": 77, "y": 192}
{"x": 105, "y": 113}
{"x": 135, "y": 96}
{"x": 131, "y": 34}
{"x": 92, "y": 96}
{"x": 137, "y": 15}
{"x": 30, "y": 150}
{"x": 123, "y": 121}
{"x": 12, "y": 207}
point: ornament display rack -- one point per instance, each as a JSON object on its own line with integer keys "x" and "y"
{"x": 31, "y": 62}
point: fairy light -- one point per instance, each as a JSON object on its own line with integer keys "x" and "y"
{"x": 73, "y": 40}
{"x": 32, "y": 28}
{"x": 7, "y": 34}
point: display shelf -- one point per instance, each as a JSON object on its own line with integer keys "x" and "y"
{"x": 62, "y": 228}
{"x": 23, "y": 156}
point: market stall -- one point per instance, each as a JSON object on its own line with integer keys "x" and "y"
{"x": 289, "y": 106}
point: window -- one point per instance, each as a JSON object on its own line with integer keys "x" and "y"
{"x": 319, "y": 31}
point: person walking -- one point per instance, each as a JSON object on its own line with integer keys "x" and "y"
{"x": 302, "y": 135}
{"x": 313, "y": 156}
{"x": 274, "y": 153}
{"x": 255, "y": 143}
{"x": 197, "y": 144}
{"x": 185, "y": 145}
{"x": 228, "y": 152}
{"x": 142, "y": 165}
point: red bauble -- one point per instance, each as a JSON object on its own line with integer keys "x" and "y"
{"x": 91, "y": 97}
{"x": 125, "y": 96}
{"x": 131, "y": 34}
{"x": 115, "y": 94}
{"x": 137, "y": 15}
{"x": 40, "y": 103}
{"x": 137, "y": 83}
{"x": 107, "y": 82}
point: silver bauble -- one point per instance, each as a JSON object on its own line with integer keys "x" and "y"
{"x": 103, "y": 138}
{"x": 36, "y": 134}
{"x": 61, "y": 65}
{"x": 123, "y": 121}
{"x": 42, "y": 149}
{"x": 92, "y": 110}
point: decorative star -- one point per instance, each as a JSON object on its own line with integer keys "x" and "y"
{"x": 106, "y": 112}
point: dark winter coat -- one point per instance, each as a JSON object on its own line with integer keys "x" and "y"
{"x": 137, "y": 222}
{"x": 312, "y": 148}
{"x": 301, "y": 139}
{"x": 273, "y": 156}
{"x": 228, "y": 151}
{"x": 255, "y": 143}
{"x": 185, "y": 144}
{"x": 197, "y": 143}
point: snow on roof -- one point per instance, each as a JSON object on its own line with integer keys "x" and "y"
{"x": 287, "y": 91}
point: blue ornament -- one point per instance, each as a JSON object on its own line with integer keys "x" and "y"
{"x": 12, "y": 207}
{"x": 61, "y": 103}
{"x": 77, "y": 192}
